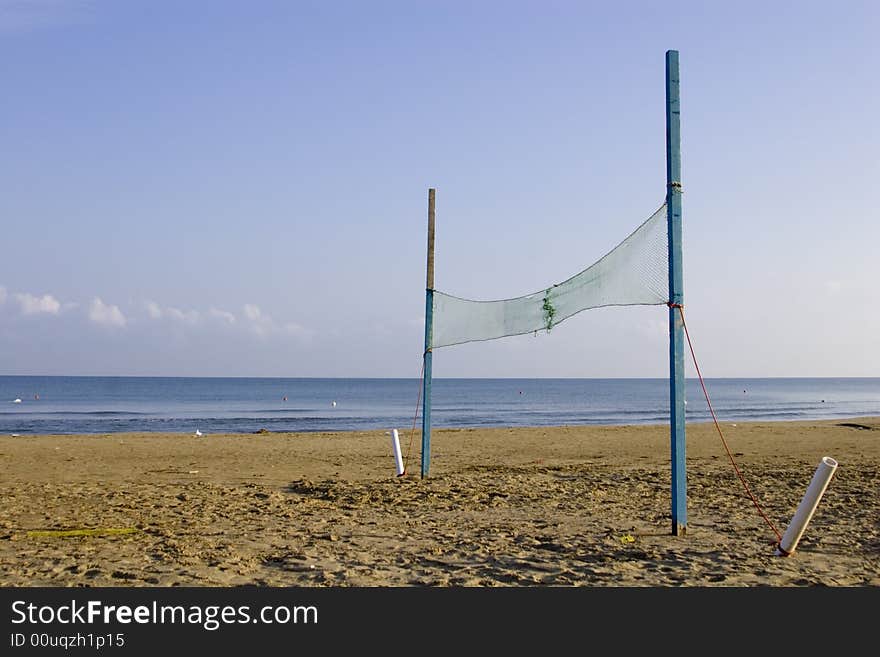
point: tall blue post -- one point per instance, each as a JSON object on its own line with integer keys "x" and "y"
{"x": 429, "y": 331}
{"x": 676, "y": 295}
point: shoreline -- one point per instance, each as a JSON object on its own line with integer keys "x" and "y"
{"x": 853, "y": 419}
{"x": 584, "y": 505}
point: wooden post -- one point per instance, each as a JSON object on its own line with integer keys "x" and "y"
{"x": 676, "y": 296}
{"x": 429, "y": 333}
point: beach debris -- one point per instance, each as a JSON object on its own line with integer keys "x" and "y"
{"x": 198, "y": 433}
{"x": 263, "y": 430}
{"x": 627, "y": 538}
{"x": 16, "y": 401}
{"x": 65, "y": 533}
{"x": 193, "y": 472}
{"x": 398, "y": 458}
{"x": 333, "y": 403}
{"x": 15, "y": 435}
{"x": 807, "y": 507}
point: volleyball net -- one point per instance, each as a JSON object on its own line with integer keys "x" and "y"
{"x": 635, "y": 272}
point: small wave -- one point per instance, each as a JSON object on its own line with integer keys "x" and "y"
{"x": 76, "y": 413}
{"x": 276, "y": 411}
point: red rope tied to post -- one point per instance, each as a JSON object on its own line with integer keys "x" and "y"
{"x": 718, "y": 426}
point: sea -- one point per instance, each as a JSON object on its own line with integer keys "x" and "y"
{"x": 97, "y": 405}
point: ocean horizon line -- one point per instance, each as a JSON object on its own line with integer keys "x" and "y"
{"x": 435, "y": 378}
{"x": 85, "y": 404}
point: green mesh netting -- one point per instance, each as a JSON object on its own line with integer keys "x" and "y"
{"x": 635, "y": 272}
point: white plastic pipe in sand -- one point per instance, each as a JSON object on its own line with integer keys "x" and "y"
{"x": 807, "y": 507}
{"x": 398, "y": 458}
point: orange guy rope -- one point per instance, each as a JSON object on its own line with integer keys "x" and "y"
{"x": 718, "y": 427}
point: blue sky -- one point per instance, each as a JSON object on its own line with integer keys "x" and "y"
{"x": 240, "y": 189}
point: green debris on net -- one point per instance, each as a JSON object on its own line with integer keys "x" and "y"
{"x": 549, "y": 311}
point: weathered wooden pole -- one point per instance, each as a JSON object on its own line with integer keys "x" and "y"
{"x": 676, "y": 296}
{"x": 429, "y": 330}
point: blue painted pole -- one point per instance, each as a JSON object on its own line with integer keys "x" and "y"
{"x": 676, "y": 296}
{"x": 429, "y": 337}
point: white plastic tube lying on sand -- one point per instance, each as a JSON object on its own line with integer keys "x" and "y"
{"x": 395, "y": 445}
{"x": 807, "y": 507}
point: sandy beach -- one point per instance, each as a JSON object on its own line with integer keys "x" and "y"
{"x": 559, "y": 506}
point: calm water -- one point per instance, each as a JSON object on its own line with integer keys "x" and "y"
{"x": 213, "y": 405}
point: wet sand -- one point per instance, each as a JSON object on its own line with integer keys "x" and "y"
{"x": 559, "y": 506}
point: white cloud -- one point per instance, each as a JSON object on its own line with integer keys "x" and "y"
{"x": 153, "y": 309}
{"x": 186, "y": 316}
{"x": 263, "y": 325}
{"x": 251, "y": 318}
{"x": 102, "y": 313}
{"x": 254, "y": 313}
{"x": 299, "y": 331}
{"x": 655, "y": 330}
{"x": 31, "y": 305}
{"x": 224, "y": 315}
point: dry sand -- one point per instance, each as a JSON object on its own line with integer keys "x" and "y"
{"x": 561, "y": 506}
